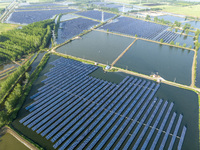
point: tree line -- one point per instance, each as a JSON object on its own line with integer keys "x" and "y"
{"x": 16, "y": 98}
{"x": 18, "y": 42}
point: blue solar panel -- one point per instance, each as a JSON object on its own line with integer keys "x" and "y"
{"x": 71, "y": 116}
{"x": 138, "y": 115}
{"x": 175, "y": 132}
{"x": 57, "y": 93}
{"x": 54, "y": 113}
{"x": 126, "y": 112}
{"x": 70, "y": 78}
{"x": 140, "y": 123}
{"x": 145, "y": 128}
{"x": 52, "y": 120}
{"x": 62, "y": 139}
{"x": 154, "y": 126}
{"x": 63, "y": 87}
{"x": 182, "y": 138}
{"x": 162, "y": 127}
{"x": 96, "y": 139}
{"x": 46, "y": 103}
{"x": 90, "y": 120}
{"x": 167, "y": 132}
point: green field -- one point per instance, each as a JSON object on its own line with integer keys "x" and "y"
{"x": 6, "y": 27}
{"x": 36, "y": 1}
{"x": 9, "y": 142}
{"x": 3, "y": 5}
{"x": 187, "y": 10}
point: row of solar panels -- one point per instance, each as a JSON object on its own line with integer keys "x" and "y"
{"x": 85, "y": 112}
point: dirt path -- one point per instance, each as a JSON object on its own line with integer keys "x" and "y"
{"x": 193, "y": 70}
{"x": 123, "y": 53}
{"x": 5, "y": 130}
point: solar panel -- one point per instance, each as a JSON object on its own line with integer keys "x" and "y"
{"x": 182, "y": 138}
{"x": 175, "y": 132}
{"x": 167, "y": 132}
{"x": 153, "y": 128}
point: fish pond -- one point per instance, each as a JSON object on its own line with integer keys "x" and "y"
{"x": 97, "y": 46}
{"x": 182, "y": 100}
{"x": 171, "y": 18}
{"x": 171, "y": 63}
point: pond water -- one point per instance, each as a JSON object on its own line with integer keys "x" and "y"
{"x": 185, "y": 103}
{"x": 195, "y": 24}
{"x": 188, "y": 40}
{"x": 36, "y": 61}
{"x": 9, "y": 142}
{"x": 171, "y": 63}
{"x": 171, "y": 18}
{"x": 97, "y": 46}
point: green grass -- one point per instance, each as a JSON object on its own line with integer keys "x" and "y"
{"x": 3, "y": 5}
{"x": 36, "y": 1}
{"x": 5, "y": 27}
{"x": 187, "y": 10}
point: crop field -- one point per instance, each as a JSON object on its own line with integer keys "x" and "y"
{"x": 188, "y": 10}
{"x": 171, "y": 18}
{"x": 171, "y": 63}
{"x": 96, "y": 15}
{"x": 27, "y": 17}
{"x": 76, "y": 111}
{"x": 5, "y": 27}
{"x": 74, "y": 27}
{"x": 134, "y": 27}
{"x": 3, "y": 5}
{"x": 97, "y": 46}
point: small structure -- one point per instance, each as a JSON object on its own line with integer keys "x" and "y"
{"x": 157, "y": 77}
{"x": 107, "y": 67}
{"x": 95, "y": 63}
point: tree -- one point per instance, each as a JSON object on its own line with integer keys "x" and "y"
{"x": 155, "y": 19}
{"x": 148, "y": 17}
{"x": 184, "y": 45}
{"x": 161, "y": 40}
{"x": 171, "y": 43}
{"x": 136, "y": 35}
{"x": 187, "y": 31}
{"x": 177, "y": 44}
{"x": 178, "y": 24}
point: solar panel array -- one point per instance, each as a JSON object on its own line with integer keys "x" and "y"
{"x": 76, "y": 111}
{"x": 130, "y": 26}
{"x": 167, "y": 36}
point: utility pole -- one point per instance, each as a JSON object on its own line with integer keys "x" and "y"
{"x": 102, "y": 19}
